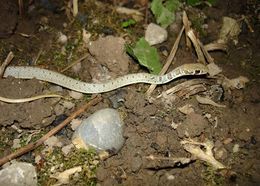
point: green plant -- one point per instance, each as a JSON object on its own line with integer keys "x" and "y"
{"x": 146, "y": 55}
{"x": 128, "y": 23}
{"x": 164, "y": 11}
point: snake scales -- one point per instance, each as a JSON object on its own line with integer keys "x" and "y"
{"x": 80, "y": 86}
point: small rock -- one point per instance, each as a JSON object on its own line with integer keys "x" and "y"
{"x": 16, "y": 143}
{"x": 236, "y": 148}
{"x": 186, "y": 109}
{"x": 53, "y": 141}
{"x": 56, "y": 89}
{"x": 103, "y": 130}
{"x": 75, "y": 123}
{"x": 68, "y": 104}
{"x": 37, "y": 159}
{"x": 67, "y": 149}
{"x": 59, "y": 109}
{"x": 75, "y": 95}
{"x": 220, "y": 153}
{"x": 136, "y": 164}
{"x": 63, "y": 39}
{"x": 76, "y": 68}
{"x": 155, "y": 34}
{"x": 227, "y": 141}
{"x": 19, "y": 174}
{"x": 245, "y": 135}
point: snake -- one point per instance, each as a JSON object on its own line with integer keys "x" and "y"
{"x": 27, "y": 72}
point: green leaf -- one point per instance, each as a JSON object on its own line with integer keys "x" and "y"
{"x": 164, "y": 11}
{"x": 146, "y": 55}
{"x": 172, "y": 5}
{"x": 128, "y": 23}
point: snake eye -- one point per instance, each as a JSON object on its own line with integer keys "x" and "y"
{"x": 197, "y": 72}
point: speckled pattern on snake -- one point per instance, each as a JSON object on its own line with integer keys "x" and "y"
{"x": 25, "y": 72}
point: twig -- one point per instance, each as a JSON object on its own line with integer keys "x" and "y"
{"x": 205, "y": 52}
{"x": 168, "y": 61}
{"x": 75, "y": 8}
{"x": 181, "y": 86}
{"x": 196, "y": 45}
{"x": 186, "y": 24}
{"x": 8, "y": 59}
{"x": 23, "y": 100}
{"x": 36, "y": 144}
{"x": 75, "y": 62}
{"x": 215, "y": 46}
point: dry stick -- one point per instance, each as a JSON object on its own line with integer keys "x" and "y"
{"x": 184, "y": 85}
{"x": 6, "y": 63}
{"x": 215, "y": 46}
{"x": 36, "y": 144}
{"x": 168, "y": 61}
{"x": 186, "y": 24}
{"x": 75, "y": 62}
{"x": 196, "y": 45}
{"x": 205, "y": 52}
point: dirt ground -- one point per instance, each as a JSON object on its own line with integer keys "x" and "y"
{"x": 152, "y": 127}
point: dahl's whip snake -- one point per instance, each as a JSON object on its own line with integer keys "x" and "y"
{"x": 25, "y": 72}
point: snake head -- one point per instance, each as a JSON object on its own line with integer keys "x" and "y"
{"x": 196, "y": 69}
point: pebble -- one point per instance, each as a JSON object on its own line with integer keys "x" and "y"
{"x": 236, "y": 148}
{"x": 16, "y": 143}
{"x": 19, "y": 174}
{"x": 56, "y": 89}
{"x": 186, "y": 109}
{"x": 75, "y": 123}
{"x": 103, "y": 130}
{"x": 59, "y": 109}
{"x": 155, "y": 34}
{"x": 76, "y": 68}
{"x": 75, "y": 95}
{"x": 53, "y": 141}
{"x": 68, "y": 105}
{"x": 63, "y": 39}
{"x": 67, "y": 149}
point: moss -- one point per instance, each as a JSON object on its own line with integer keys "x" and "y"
{"x": 211, "y": 176}
{"x": 87, "y": 159}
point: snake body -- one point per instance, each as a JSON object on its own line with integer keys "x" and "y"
{"x": 25, "y": 72}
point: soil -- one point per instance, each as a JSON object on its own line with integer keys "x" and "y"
{"x": 153, "y": 127}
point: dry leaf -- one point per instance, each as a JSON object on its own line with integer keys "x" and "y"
{"x": 207, "y": 101}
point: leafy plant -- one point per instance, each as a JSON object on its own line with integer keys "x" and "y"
{"x": 164, "y": 11}
{"x": 197, "y": 2}
{"x": 146, "y": 55}
{"x": 128, "y": 23}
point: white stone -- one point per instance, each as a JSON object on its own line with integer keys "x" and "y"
{"x": 75, "y": 95}
{"x": 16, "y": 143}
{"x": 103, "y": 131}
{"x": 19, "y": 174}
{"x": 155, "y": 34}
{"x": 53, "y": 141}
{"x": 236, "y": 148}
{"x": 67, "y": 149}
{"x": 63, "y": 39}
